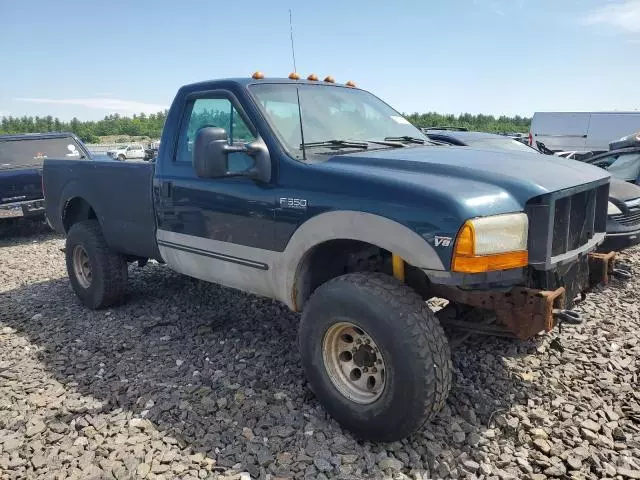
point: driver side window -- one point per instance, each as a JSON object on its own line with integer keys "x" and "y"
{"x": 215, "y": 112}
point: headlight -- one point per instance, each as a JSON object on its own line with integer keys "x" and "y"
{"x": 612, "y": 209}
{"x": 492, "y": 243}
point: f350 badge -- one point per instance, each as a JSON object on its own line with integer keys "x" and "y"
{"x": 442, "y": 241}
{"x": 297, "y": 203}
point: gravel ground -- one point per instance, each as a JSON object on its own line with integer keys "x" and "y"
{"x": 191, "y": 380}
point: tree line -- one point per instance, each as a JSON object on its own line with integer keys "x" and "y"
{"x": 151, "y": 125}
{"x": 480, "y": 122}
{"x": 89, "y": 131}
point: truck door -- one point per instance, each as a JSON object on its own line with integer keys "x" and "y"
{"x": 221, "y": 229}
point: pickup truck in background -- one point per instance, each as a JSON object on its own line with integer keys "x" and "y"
{"x": 21, "y": 157}
{"x": 322, "y": 196}
{"x": 128, "y": 152}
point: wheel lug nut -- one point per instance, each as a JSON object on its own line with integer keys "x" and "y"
{"x": 367, "y": 341}
{"x": 374, "y": 370}
{"x": 365, "y": 369}
{"x": 379, "y": 362}
{"x": 358, "y": 341}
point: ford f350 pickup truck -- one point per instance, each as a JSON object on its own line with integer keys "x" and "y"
{"x": 322, "y": 196}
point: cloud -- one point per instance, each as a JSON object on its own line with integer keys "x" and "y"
{"x": 623, "y": 15}
{"x": 113, "y": 105}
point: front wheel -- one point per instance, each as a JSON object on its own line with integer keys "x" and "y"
{"x": 375, "y": 355}
{"x": 98, "y": 275}
{"x": 121, "y": 158}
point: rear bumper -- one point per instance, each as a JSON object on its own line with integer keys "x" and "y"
{"x": 28, "y": 208}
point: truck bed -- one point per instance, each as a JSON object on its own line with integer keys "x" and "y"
{"x": 120, "y": 193}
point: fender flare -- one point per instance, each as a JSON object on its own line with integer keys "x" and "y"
{"x": 350, "y": 225}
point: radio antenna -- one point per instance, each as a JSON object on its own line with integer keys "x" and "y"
{"x": 293, "y": 52}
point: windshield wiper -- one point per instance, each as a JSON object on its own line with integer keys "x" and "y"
{"x": 406, "y": 138}
{"x": 387, "y": 143}
{"x": 335, "y": 144}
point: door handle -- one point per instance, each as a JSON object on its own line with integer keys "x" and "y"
{"x": 165, "y": 189}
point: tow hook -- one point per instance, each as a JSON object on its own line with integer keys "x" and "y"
{"x": 568, "y": 316}
{"x": 622, "y": 271}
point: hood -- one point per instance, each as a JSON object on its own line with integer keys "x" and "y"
{"x": 623, "y": 191}
{"x": 523, "y": 175}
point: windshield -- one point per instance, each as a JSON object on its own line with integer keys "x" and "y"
{"x": 329, "y": 113}
{"x": 30, "y": 152}
{"x": 500, "y": 144}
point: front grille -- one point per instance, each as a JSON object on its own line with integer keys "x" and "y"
{"x": 629, "y": 219}
{"x": 564, "y": 221}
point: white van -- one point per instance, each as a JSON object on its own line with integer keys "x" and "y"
{"x": 581, "y": 131}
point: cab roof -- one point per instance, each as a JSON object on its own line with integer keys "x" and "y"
{"x": 246, "y": 81}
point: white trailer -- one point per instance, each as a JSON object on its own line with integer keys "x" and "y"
{"x": 581, "y": 131}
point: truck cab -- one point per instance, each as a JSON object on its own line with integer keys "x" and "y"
{"x": 323, "y": 197}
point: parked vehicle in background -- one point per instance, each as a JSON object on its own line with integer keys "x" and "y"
{"x": 151, "y": 151}
{"x": 477, "y": 139}
{"x": 623, "y": 213}
{"x": 623, "y": 163}
{"x": 573, "y": 155}
{"x": 581, "y": 131}
{"x": 21, "y": 158}
{"x": 323, "y": 197}
{"x": 128, "y": 152}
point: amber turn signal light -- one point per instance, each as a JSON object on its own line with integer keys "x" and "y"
{"x": 466, "y": 261}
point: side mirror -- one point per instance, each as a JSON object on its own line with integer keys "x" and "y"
{"x": 210, "y": 155}
{"x": 210, "y": 152}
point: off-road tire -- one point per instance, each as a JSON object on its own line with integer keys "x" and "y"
{"x": 415, "y": 350}
{"x": 108, "y": 269}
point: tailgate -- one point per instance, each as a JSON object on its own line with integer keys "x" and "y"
{"x": 19, "y": 185}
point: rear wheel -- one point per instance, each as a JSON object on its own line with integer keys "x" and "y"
{"x": 375, "y": 355}
{"x": 121, "y": 157}
{"x": 98, "y": 275}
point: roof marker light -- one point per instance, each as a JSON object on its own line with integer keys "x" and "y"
{"x": 329, "y": 79}
{"x": 350, "y": 83}
{"x": 312, "y": 77}
{"x": 294, "y": 76}
{"x": 257, "y": 75}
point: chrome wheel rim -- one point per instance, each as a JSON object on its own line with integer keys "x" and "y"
{"x": 354, "y": 362}
{"x": 82, "y": 266}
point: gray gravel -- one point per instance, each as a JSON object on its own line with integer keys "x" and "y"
{"x": 191, "y": 380}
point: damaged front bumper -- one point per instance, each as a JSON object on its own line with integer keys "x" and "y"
{"x": 525, "y": 312}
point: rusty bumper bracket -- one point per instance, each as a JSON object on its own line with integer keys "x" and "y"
{"x": 601, "y": 265}
{"x": 527, "y": 311}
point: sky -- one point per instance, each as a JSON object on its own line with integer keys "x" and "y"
{"x": 88, "y": 59}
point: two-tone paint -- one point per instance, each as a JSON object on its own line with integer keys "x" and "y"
{"x": 255, "y": 234}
